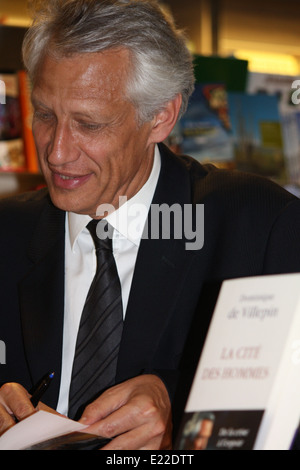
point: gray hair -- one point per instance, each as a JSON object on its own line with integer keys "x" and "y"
{"x": 162, "y": 66}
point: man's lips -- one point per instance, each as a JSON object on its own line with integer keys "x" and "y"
{"x": 69, "y": 181}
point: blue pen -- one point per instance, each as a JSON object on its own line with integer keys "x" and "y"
{"x": 42, "y": 386}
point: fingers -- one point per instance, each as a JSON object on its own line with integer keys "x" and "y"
{"x": 147, "y": 432}
{"x": 15, "y": 405}
{"x": 107, "y": 403}
{"x": 137, "y": 414}
{"x": 6, "y": 420}
{"x": 140, "y": 438}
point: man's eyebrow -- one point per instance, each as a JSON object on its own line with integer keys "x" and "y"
{"x": 79, "y": 114}
{"x": 86, "y": 114}
{"x": 37, "y": 102}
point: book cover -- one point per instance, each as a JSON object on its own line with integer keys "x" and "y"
{"x": 26, "y": 114}
{"x": 257, "y": 135}
{"x": 12, "y": 157}
{"x": 245, "y": 393}
{"x": 228, "y": 70}
{"x": 204, "y": 132}
{"x": 282, "y": 86}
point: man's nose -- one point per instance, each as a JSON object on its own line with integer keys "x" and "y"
{"x": 62, "y": 148}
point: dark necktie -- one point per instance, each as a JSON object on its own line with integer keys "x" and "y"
{"x": 100, "y": 329}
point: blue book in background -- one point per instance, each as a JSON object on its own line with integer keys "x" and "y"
{"x": 257, "y": 134}
{"x": 204, "y": 132}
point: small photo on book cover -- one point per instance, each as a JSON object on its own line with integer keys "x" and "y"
{"x": 219, "y": 430}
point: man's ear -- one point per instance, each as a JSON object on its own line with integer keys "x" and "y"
{"x": 165, "y": 120}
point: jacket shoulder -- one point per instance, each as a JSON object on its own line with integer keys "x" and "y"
{"x": 24, "y": 203}
{"x": 20, "y": 214}
{"x": 233, "y": 187}
{"x": 225, "y": 189}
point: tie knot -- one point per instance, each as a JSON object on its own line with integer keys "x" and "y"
{"x": 101, "y": 232}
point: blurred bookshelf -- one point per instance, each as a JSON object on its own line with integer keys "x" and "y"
{"x": 10, "y": 57}
{"x": 218, "y": 127}
{"x": 19, "y": 169}
{"x": 247, "y": 58}
{"x": 13, "y": 183}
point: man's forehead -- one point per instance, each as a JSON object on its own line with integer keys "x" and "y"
{"x": 85, "y": 75}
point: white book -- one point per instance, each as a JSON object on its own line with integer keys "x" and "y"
{"x": 246, "y": 390}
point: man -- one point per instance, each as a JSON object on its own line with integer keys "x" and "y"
{"x": 197, "y": 431}
{"x": 110, "y": 79}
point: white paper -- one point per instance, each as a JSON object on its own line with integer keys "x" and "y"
{"x": 248, "y": 376}
{"x": 37, "y": 428}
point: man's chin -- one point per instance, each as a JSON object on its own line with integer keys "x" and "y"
{"x": 69, "y": 203}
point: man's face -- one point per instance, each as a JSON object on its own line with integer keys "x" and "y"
{"x": 90, "y": 147}
{"x": 204, "y": 433}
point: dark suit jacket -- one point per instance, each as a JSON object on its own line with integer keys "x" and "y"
{"x": 251, "y": 227}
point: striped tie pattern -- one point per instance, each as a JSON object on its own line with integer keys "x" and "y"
{"x": 100, "y": 329}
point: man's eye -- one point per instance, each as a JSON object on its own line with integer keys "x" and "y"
{"x": 90, "y": 126}
{"x": 42, "y": 116}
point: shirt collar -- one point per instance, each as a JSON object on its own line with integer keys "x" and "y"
{"x": 130, "y": 218}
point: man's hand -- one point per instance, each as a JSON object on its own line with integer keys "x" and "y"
{"x": 136, "y": 414}
{"x": 15, "y": 405}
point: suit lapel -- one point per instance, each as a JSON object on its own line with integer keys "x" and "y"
{"x": 160, "y": 268}
{"x": 41, "y": 295}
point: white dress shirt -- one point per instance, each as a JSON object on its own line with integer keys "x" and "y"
{"x": 80, "y": 264}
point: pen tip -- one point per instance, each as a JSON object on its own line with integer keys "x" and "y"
{"x": 51, "y": 375}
